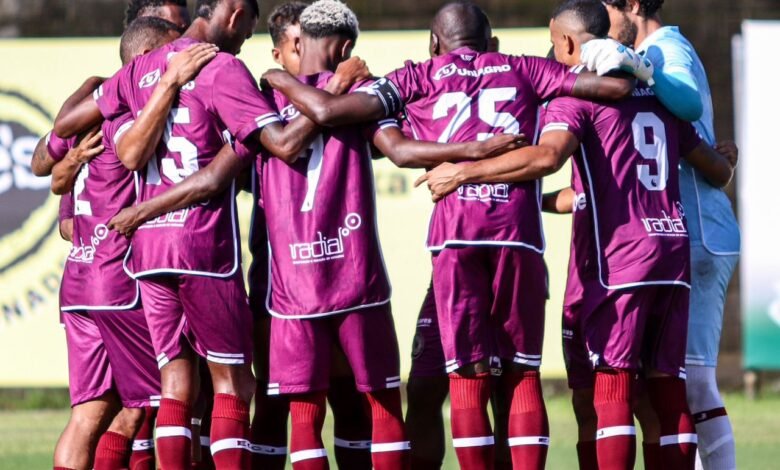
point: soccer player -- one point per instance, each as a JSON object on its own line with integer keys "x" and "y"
{"x": 182, "y": 255}
{"x": 174, "y": 11}
{"x": 110, "y": 351}
{"x": 681, "y": 84}
{"x": 486, "y": 239}
{"x": 631, "y": 304}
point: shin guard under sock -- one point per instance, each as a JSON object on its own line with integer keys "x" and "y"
{"x": 472, "y": 436}
{"x": 616, "y": 434}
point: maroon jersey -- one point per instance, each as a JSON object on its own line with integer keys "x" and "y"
{"x": 464, "y": 96}
{"x": 94, "y": 278}
{"x": 321, "y": 217}
{"x": 629, "y": 225}
{"x": 223, "y": 101}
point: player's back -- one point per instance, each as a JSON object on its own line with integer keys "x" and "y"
{"x": 102, "y": 188}
{"x": 468, "y": 95}
{"x": 321, "y": 217}
{"x": 220, "y": 103}
{"x": 626, "y": 176}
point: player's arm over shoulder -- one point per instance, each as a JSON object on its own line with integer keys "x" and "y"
{"x": 675, "y": 84}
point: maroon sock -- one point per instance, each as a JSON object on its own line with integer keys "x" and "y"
{"x": 586, "y": 455}
{"x": 471, "y": 433}
{"x": 389, "y": 445}
{"x": 616, "y": 435}
{"x": 351, "y": 424}
{"x": 174, "y": 449}
{"x": 143, "y": 443}
{"x": 529, "y": 430}
{"x": 206, "y": 459}
{"x": 307, "y": 413}
{"x": 678, "y": 432}
{"x": 113, "y": 452}
{"x": 230, "y": 447}
{"x": 269, "y": 429}
{"x": 651, "y": 453}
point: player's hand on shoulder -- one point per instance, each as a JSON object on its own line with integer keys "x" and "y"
{"x": 728, "y": 149}
{"x": 185, "y": 65}
{"x": 500, "y": 144}
{"x": 126, "y": 221}
{"x": 352, "y": 71}
{"x": 607, "y": 55}
{"x": 271, "y": 78}
{"x": 89, "y": 147}
{"x": 443, "y": 180}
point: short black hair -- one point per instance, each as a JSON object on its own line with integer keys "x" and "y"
{"x": 136, "y": 7}
{"x": 147, "y": 32}
{"x": 205, "y": 8}
{"x": 591, "y": 13}
{"x": 282, "y": 17}
{"x": 648, "y": 8}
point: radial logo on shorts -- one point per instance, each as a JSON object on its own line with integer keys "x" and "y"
{"x": 325, "y": 247}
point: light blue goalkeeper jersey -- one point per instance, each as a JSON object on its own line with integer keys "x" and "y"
{"x": 681, "y": 85}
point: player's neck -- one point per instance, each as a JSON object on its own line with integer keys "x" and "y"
{"x": 316, "y": 63}
{"x": 198, "y": 30}
{"x": 647, "y": 27}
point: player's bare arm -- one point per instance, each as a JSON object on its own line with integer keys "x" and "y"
{"x": 716, "y": 166}
{"x": 610, "y": 88}
{"x": 322, "y": 107}
{"x": 79, "y": 113}
{"x": 65, "y": 171}
{"x": 558, "y": 202}
{"x": 42, "y": 163}
{"x": 409, "y": 153}
{"x": 138, "y": 144}
{"x": 66, "y": 230}
{"x": 526, "y": 164}
{"x": 287, "y": 142}
{"x": 198, "y": 187}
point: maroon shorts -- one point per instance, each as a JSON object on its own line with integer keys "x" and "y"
{"x": 212, "y": 313}
{"x": 643, "y": 327}
{"x": 579, "y": 370}
{"x": 111, "y": 349}
{"x": 427, "y": 353}
{"x": 490, "y": 303}
{"x": 300, "y": 358}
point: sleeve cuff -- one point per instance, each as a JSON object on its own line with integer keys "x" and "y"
{"x": 259, "y": 123}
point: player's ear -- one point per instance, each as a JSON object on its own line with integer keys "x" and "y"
{"x": 346, "y": 49}
{"x": 234, "y": 21}
{"x": 570, "y": 45}
{"x": 276, "y": 53}
{"x": 634, "y": 6}
{"x": 434, "y": 45}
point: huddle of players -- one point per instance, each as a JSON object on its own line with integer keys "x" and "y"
{"x": 317, "y": 209}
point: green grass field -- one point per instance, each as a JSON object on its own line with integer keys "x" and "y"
{"x": 28, "y": 437}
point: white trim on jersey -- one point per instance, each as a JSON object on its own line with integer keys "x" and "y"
{"x": 529, "y": 441}
{"x": 448, "y": 243}
{"x": 236, "y": 259}
{"x": 473, "y": 441}
{"x": 107, "y": 308}
{"x": 594, "y": 211}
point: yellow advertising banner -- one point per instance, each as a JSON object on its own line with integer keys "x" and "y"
{"x": 37, "y": 77}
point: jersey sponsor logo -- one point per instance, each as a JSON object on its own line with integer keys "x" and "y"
{"x": 325, "y": 248}
{"x": 171, "y": 219}
{"x": 86, "y": 253}
{"x": 666, "y": 225}
{"x": 30, "y": 212}
{"x": 150, "y": 79}
{"x": 484, "y": 192}
{"x": 643, "y": 92}
{"x": 450, "y": 70}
